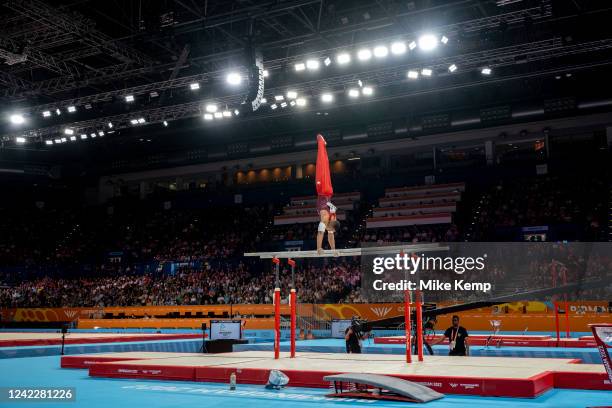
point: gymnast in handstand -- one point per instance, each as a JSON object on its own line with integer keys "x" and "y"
{"x": 327, "y": 211}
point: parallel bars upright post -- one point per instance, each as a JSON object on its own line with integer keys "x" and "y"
{"x": 407, "y": 324}
{"x": 419, "y": 324}
{"x": 293, "y": 302}
{"x": 277, "y": 301}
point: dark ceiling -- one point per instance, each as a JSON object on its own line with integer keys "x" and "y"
{"x": 91, "y": 54}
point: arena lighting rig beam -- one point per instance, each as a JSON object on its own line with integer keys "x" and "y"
{"x": 218, "y": 60}
{"x": 382, "y": 77}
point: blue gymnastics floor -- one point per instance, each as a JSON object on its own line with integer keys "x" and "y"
{"x": 105, "y": 393}
{"x": 587, "y": 355}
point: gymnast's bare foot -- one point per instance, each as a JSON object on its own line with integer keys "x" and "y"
{"x": 320, "y": 251}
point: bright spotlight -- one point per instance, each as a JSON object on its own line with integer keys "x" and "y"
{"x": 134, "y": 121}
{"x": 273, "y": 106}
{"x": 300, "y": 102}
{"x": 17, "y": 119}
{"x": 353, "y": 93}
{"x": 412, "y": 45}
{"x": 129, "y": 98}
{"x": 69, "y": 131}
{"x": 264, "y": 100}
{"x": 327, "y": 97}
{"x": 208, "y": 116}
{"x": 312, "y": 64}
{"x": 83, "y": 136}
{"x": 141, "y": 120}
{"x": 444, "y": 39}
{"x": 93, "y": 135}
{"x": 381, "y": 51}
{"x": 283, "y": 104}
{"x": 364, "y": 54}
{"x": 48, "y": 142}
{"x": 110, "y": 125}
{"x": 452, "y": 68}
{"x": 211, "y": 108}
{"x": 426, "y": 72}
{"x": 291, "y": 94}
{"x": 327, "y": 61}
{"x": 266, "y": 73}
{"x": 233, "y": 78}
{"x": 367, "y": 90}
{"x": 279, "y": 98}
{"x": 236, "y": 112}
{"x": 343, "y": 58}
{"x": 64, "y": 140}
{"x": 218, "y": 115}
{"x": 71, "y": 109}
{"x": 101, "y": 133}
{"x": 428, "y": 42}
{"x": 46, "y": 114}
{"x": 300, "y": 66}
{"x": 73, "y": 138}
{"x": 486, "y": 71}
{"x": 194, "y": 86}
{"x": 227, "y": 114}
{"x": 292, "y": 103}
{"x": 20, "y": 139}
{"x": 165, "y": 122}
{"x": 413, "y": 74}
{"x": 57, "y": 141}
{"x": 398, "y": 47}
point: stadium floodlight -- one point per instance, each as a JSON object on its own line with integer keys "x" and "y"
{"x": 165, "y": 123}
{"x": 194, "y": 86}
{"x": 236, "y": 112}
{"x": 46, "y": 114}
{"x": 17, "y": 119}
{"x": 48, "y": 142}
{"x": 428, "y": 42}
{"x": 398, "y": 48}
{"x": 452, "y": 68}
{"x": 129, "y": 98}
{"x": 413, "y": 74}
{"x": 211, "y": 108}
{"x": 134, "y": 121}
{"x": 279, "y": 98}
{"x": 300, "y": 101}
{"x": 353, "y": 93}
{"x": 57, "y": 141}
{"x": 273, "y": 106}
{"x": 110, "y": 125}
{"x": 291, "y": 94}
{"x": 266, "y": 73}
{"x": 486, "y": 71}
{"x": 208, "y": 116}
{"x": 444, "y": 39}
{"x": 380, "y": 51}
{"x": 312, "y": 64}
{"x": 367, "y": 90}
{"x": 233, "y": 78}
{"x": 343, "y": 58}
{"x": 327, "y": 97}
{"x": 141, "y": 120}
{"x": 64, "y": 140}
{"x": 69, "y": 131}
{"x": 227, "y": 114}
{"x": 292, "y": 103}
{"x": 327, "y": 61}
{"x": 73, "y": 138}
{"x": 283, "y": 104}
{"x": 264, "y": 100}
{"x": 300, "y": 66}
{"x": 364, "y": 54}
{"x": 218, "y": 115}
{"x": 412, "y": 45}
{"x": 20, "y": 139}
{"x": 83, "y": 136}
{"x": 426, "y": 72}
{"x": 92, "y": 135}
{"x": 101, "y": 133}
{"x": 71, "y": 109}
